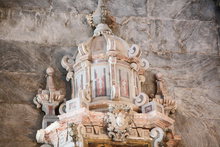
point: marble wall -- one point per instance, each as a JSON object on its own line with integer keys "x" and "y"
{"x": 179, "y": 37}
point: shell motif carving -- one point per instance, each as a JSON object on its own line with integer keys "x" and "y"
{"x": 141, "y": 99}
{"x": 134, "y": 51}
{"x": 118, "y": 121}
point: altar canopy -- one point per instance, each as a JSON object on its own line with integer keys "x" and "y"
{"x": 107, "y": 107}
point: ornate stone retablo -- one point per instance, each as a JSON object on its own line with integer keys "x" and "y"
{"x": 107, "y": 106}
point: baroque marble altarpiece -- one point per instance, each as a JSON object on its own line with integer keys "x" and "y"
{"x": 107, "y": 107}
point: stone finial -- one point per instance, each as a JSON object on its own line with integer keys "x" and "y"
{"x": 50, "y": 83}
{"x": 100, "y": 16}
{"x": 50, "y": 95}
{"x": 49, "y": 99}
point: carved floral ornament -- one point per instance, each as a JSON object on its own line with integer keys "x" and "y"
{"x": 118, "y": 121}
{"x": 107, "y": 103}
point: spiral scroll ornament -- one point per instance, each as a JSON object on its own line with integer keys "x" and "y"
{"x": 144, "y": 64}
{"x": 157, "y": 134}
{"x": 141, "y": 99}
{"x": 134, "y": 51}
